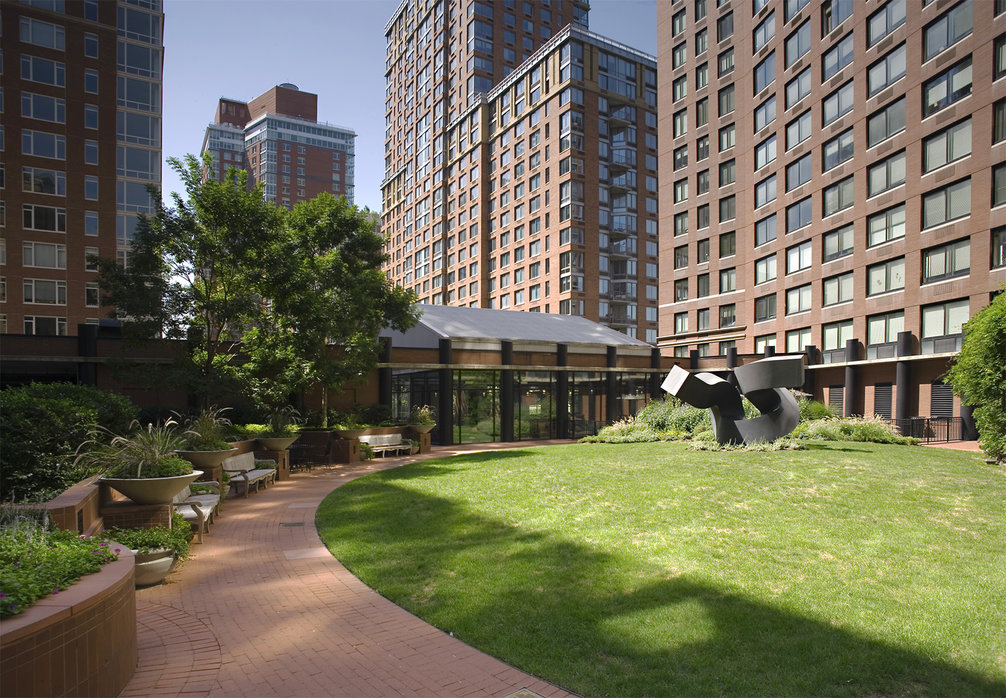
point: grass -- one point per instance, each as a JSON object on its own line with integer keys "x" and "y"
{"x": 650, "y": 569}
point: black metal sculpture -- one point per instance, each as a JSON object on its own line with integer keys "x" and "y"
{"x": 762, "y": 382}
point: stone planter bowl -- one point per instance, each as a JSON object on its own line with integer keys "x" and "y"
{"x": 153, "y": 567}
{"x": 151, "y": 490}
{"x": 276, "y": 443}
{"x": 206, "y": 459}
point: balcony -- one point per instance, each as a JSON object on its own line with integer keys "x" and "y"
{"x": 941, "y": 345}
{"x": 885, "y": 350}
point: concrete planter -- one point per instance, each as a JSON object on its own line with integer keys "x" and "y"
{"x": 206, "y": 460}
{"x": 153, "y": 567}
{"x": 151, "y": 490}
{"x": 422, "y": 428}
{"x": 276, "y": 443}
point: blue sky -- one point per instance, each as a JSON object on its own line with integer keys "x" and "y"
{"x": 334, "y": 48}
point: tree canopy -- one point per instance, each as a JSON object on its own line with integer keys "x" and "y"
{"x": 979, "y": 374}
{"x": 259, "y": 292}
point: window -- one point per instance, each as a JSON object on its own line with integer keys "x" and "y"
{"x": 798, "y": 130}
{"x": 40, "y": 181}
{"x": 798, "y": 88}
{"x": 90, "y": 116}
{"x": 43, "y": 107}
{"x": 702, "y": 216}
{"x": 886, "y": 225}
{"x": 728, "y": 280}
{"x": 702, "y": 112}
{"x": 837, "y": 57}
{"x": 886, "y": 276}
{"x": 725, "y": 26}
{"x": 678, "y": 23}
{"x": 999, "y": 57}
{"x": 91, "y": 81}
{"x": 999, "y": 121}
{"x": 701, "y": 42}
{"x": 941, "y": 320}
{"x": 838, "y": 196}
{"x": 728, "y": 172}
{"x": 43, "y": 145}
{"x": 680, "y": 323}
{"x": 728, "y": 244}
{"x": 838, "y": 243}
{"x": 764, "y": 73}
{"x": 833, "y": 13}
{"x": 798, "y": 215}
{"x": 886, "y": 174}
{"x": 44, "y": 291}
{"x": 946, "y": 204}
{"x": 884, "y": 21}
{"x": 765, "y": 230}
{"x": 701, "y": 182}
{"x": 837, "y": 103}
{"x": 886, "y": 71}
{"x": 702, "y": 148}
{"x": 702, "y": 285}
{"x": 91, "y": 223}
{"x": 681, "y": 223}
{"x": 47, "y": 218}
{"x": 725, "y": 63}
{"x": 798, "y": 173}
{"x": 726, "y": 100}
{"x": 681, "y": 257}
{"x": 764, "y": 32}
{"x": 679, "y": 88}
{"x": 680, "y": 157}
{"x": 765, "y": 269}
{"x": 91, "y": 294}
{"x": 838, "y": 150}
{"x": 797, "y": 43}
{"x": 946, "y": 88}
{"x": 680, "y": 191}
{"x": 765, "y": 308}
{"x": 90, "y": 187}
{"x": 681, "y": 290}
{"x": 885, "y": 123}
{"x": 794, "y": 6}
{"x": 43, "y": 70}
{"x": 764, "y": 114}
{"x": 950, "y": 28}
{"x": 764, "y": 341}
{"x": 884, "y": 328}
{"x": 679, "y": 54}
{"x": 946, "y": 261}
{"x": 728, "y": 315}
{"x": 680, "y": 123}
{"x": 798, "y": 257}
{"x": 702, "y": 251}
{"x": 702, "y": 319}
{"x": 765, "y": 152}
{"x": 40, "y": 33}
{"x": 765, "y": 191}
{"x": 946, "y": 146}
{"x": 797, "y": 340}
{"x": 727, "y": 137}
{"x": 728, "y": 209}
{"x": 90, "y": 45}
{"x": 43, "y": 255}
{"x": 836, "y": 334}
{"x": 838, "y": 289}
{"x": 998, "y": 248}
{"x": 798, "y": 299}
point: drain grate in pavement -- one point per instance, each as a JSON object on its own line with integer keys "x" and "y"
{"x": 293, "y": 523}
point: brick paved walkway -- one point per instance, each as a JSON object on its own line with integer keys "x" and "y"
{"x": 262, "y": 609}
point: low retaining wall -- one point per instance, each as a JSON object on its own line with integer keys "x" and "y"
{"x": 80, "y": 642}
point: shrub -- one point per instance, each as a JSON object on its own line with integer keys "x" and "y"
{"x": 42, "y": 425}
{"x": 143, "y": 540}
{"x": 870, "y": 429}
{"x": 36, "y": 560}
{"x": 146, "y": 452}
{"x": 707, "y": 442}
{"x": 811, "y": 410}
{"x": 658, "y": 413}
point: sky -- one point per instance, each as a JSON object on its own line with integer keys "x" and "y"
{"x": 334, "y": 48}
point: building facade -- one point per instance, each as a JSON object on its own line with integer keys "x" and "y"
{"x": 521, "y": 162}
{"x": 833, "y": 174}
{"x": 277, "y": 137}
{"x": 81, "y": 138}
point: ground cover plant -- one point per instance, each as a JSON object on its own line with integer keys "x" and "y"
{"x": 653, "y": 569}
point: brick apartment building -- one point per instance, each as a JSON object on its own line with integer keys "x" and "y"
{"x": 521, "y": 162}
{"x": 833, "y": 175}
{"x": 80, "y": 136}
{"x": 277, "y": 137}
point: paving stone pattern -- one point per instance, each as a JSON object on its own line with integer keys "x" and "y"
{"x": 262, "y": 609}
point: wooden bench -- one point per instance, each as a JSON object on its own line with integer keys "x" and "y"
{"x": 383, "y": 444}
{"x": 199, "y": 509}
{"x": 245, "y": 472}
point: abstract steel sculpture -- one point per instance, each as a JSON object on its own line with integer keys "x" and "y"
{"x": 762, "y": 382}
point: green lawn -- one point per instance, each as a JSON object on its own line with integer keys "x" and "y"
{"x": 651, "y": 569}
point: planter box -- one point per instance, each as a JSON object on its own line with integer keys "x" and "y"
{"x": 80, "y": 642}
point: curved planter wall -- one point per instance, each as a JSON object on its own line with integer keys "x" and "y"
{"x": 81, "y": 641}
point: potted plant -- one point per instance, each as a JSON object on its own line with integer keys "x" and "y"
{"x": 349, "y": 426}
{"x": 421, "y": 419}
{"x": 204, "y": 444}
{"x": 156, "y": 549}
{"x": 282, "y": 429}
{"x": 142, "y": 465}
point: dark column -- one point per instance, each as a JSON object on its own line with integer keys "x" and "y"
{"x": 445, "y": 409}
{"x": 561, "y": 393}
{"x": 769, "y": 350}
{"x": 87, "y": 346}
{"x": 969, "y": 432}
{"x": 808, "y": 376}
{"x": 693, "y": 359}
{"x": 384, "y": 392}
{"x": 732, "y": 364}
{"x": 611, "y": 410}
{"x": 903, "y": 379}
{"x": 656, "y": 377}
{"x": 506, "y": 392}
{"x": 851, "y": 392}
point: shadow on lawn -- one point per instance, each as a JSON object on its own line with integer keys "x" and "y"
{"x": 560, "y": 610}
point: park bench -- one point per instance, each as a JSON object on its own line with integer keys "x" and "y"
{"x": 383, "y": 444}
{"x": 246, "y": 473}
{"x": 199, "y": 509}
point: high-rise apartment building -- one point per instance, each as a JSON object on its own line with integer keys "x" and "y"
{"x": 833, "y": 178}
{"x": 277, "y": 137}
{"x": 521, "y": 162}
{"x": 80, "y": 97}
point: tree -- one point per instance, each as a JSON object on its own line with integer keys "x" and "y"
{"x": 979, "y": 374}
{"x": 195, "y": 270}
{"x": 326, "y": 288}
